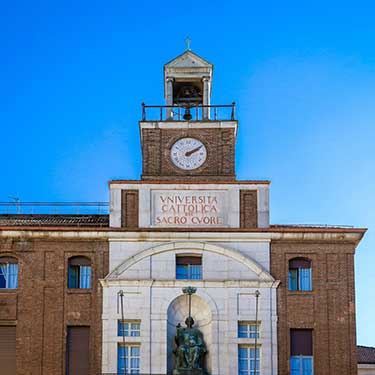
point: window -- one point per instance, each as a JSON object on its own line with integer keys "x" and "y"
{"x": 8, "y": 350}
{"x": 8, "y": 273}
{"x": 248, "y": 330}
{"x": 128, "y": 328}
{"x": 79, "y": 273}
{"x": 77, "y": 350}
{"x": 189, "y": 267}
{"x": 128, "y": 359}
{"x": 300, "y": 274}
{"x": 301, "y": 352}
{"x": 247, "y": 357}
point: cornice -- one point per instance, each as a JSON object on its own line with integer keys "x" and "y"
{"x": 352, "y": 235}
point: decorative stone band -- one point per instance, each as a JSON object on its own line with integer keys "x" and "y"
{"x": 351, "y": 235}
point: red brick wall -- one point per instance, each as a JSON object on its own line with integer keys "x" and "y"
{"x": 329, "y": 309}
{"x": 42, "y": 307}
{"x": 129, "y": 208}
{"x": 248, "y": 208}
{"x": 220, "y": 144}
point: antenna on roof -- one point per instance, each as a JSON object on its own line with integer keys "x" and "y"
{"x": 17, "y": 202}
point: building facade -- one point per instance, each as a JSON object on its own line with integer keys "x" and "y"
{"x": 90, "y": 294}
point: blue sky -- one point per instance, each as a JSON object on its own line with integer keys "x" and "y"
{"x": 73, "y": 75}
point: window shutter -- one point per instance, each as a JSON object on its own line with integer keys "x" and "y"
{"x": 301, "y": 342}
{"x": 73, "y": 274}
{"x": 8, "y": 260}
{"x": 3, "y": 275}
{"x": 79, "y": 261}
{"x": 183, "y": 260}
{"x": 13, "y": 275}
{"x": 121, "y": 359}
{"x": 293, "y": 285}
{"x": 8, "y": 350}
{"x": 305, "y": 279}
{"x": 85, "y": 277}
{"x": 196, "y": 272}
{"x": 299, "y": 263}
{"x": 78, "y": 342}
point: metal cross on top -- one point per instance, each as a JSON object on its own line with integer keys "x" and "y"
{"x": 187, "y": 42}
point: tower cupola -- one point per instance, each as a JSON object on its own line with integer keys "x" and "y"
{"x": 188, "y": 82}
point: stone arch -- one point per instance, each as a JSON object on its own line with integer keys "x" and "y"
{"x": 192, "y": 247}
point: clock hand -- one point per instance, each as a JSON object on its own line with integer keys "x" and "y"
{"x": 191, "y": 152}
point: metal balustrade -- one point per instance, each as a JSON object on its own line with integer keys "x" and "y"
{"x": 221, "y": 112}
{"x": 19, "y": 207}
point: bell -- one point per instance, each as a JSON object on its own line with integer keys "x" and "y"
{"x": 187, "y": 115}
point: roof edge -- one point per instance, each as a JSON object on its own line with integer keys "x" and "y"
{"x": 191, "y": 182}
{"x": 189, "y": 230}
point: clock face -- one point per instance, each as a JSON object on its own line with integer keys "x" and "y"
{"x": 188, "y": 153}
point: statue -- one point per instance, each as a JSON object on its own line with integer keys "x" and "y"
{"x": 190, "y": 349}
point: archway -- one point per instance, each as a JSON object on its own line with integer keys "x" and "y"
{"x": 177, "y": 312}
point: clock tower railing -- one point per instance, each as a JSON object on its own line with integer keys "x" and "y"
{"x": 221, "y": 112}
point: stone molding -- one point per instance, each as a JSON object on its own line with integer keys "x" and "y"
{"x": 269, "y": 234}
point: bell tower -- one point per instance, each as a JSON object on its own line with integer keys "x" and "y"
{"x": 187, "y": 82}
{"x": 188, "y": 138}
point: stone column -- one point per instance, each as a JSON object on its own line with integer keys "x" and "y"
{"x": 206, "y": 98}
{"x": 169, "y": 111}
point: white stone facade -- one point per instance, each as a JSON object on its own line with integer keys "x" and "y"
{"x": 172, "y": 218}
{"x": 232, "y": 272}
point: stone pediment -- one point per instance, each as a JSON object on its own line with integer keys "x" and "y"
{"x": 188, "y": 60}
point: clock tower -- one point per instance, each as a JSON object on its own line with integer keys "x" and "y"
{"x": 188, "y": 138}
{"x": 188, "y": 161}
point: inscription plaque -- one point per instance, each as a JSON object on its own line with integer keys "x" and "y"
{"x": 189, "y": 208}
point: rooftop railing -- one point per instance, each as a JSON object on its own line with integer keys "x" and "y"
{"x": 82, "y": 208}
{"x": 339, "y": 226}
{"x": 223, "y": 112}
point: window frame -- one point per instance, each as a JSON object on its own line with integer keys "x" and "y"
{"x": 250, "y": 334}
{"x": 126, "y": 369}
{"x": 300, "y": 358}
{"x": 7, "y": 261}
{"x": 297, "y": 275}
{"x": 129, "y": 332}
{"x": 80, "y": 271}
{"x": 301, "y": 348}
{"x": 249, "y": 358}
{"x": 188, "y": 263}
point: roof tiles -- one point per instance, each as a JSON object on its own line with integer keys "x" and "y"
{"x": 55, "y": 220}
{"x": 365, "y": 354}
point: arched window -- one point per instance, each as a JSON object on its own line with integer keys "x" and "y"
{"x": 300, "y": 274}
{"x": 8, "y": 273}
{"x": 79, "y": 273}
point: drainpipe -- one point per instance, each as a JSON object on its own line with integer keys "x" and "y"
{"x": 120, "y": 295}
{"x": 257, "y": 294}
